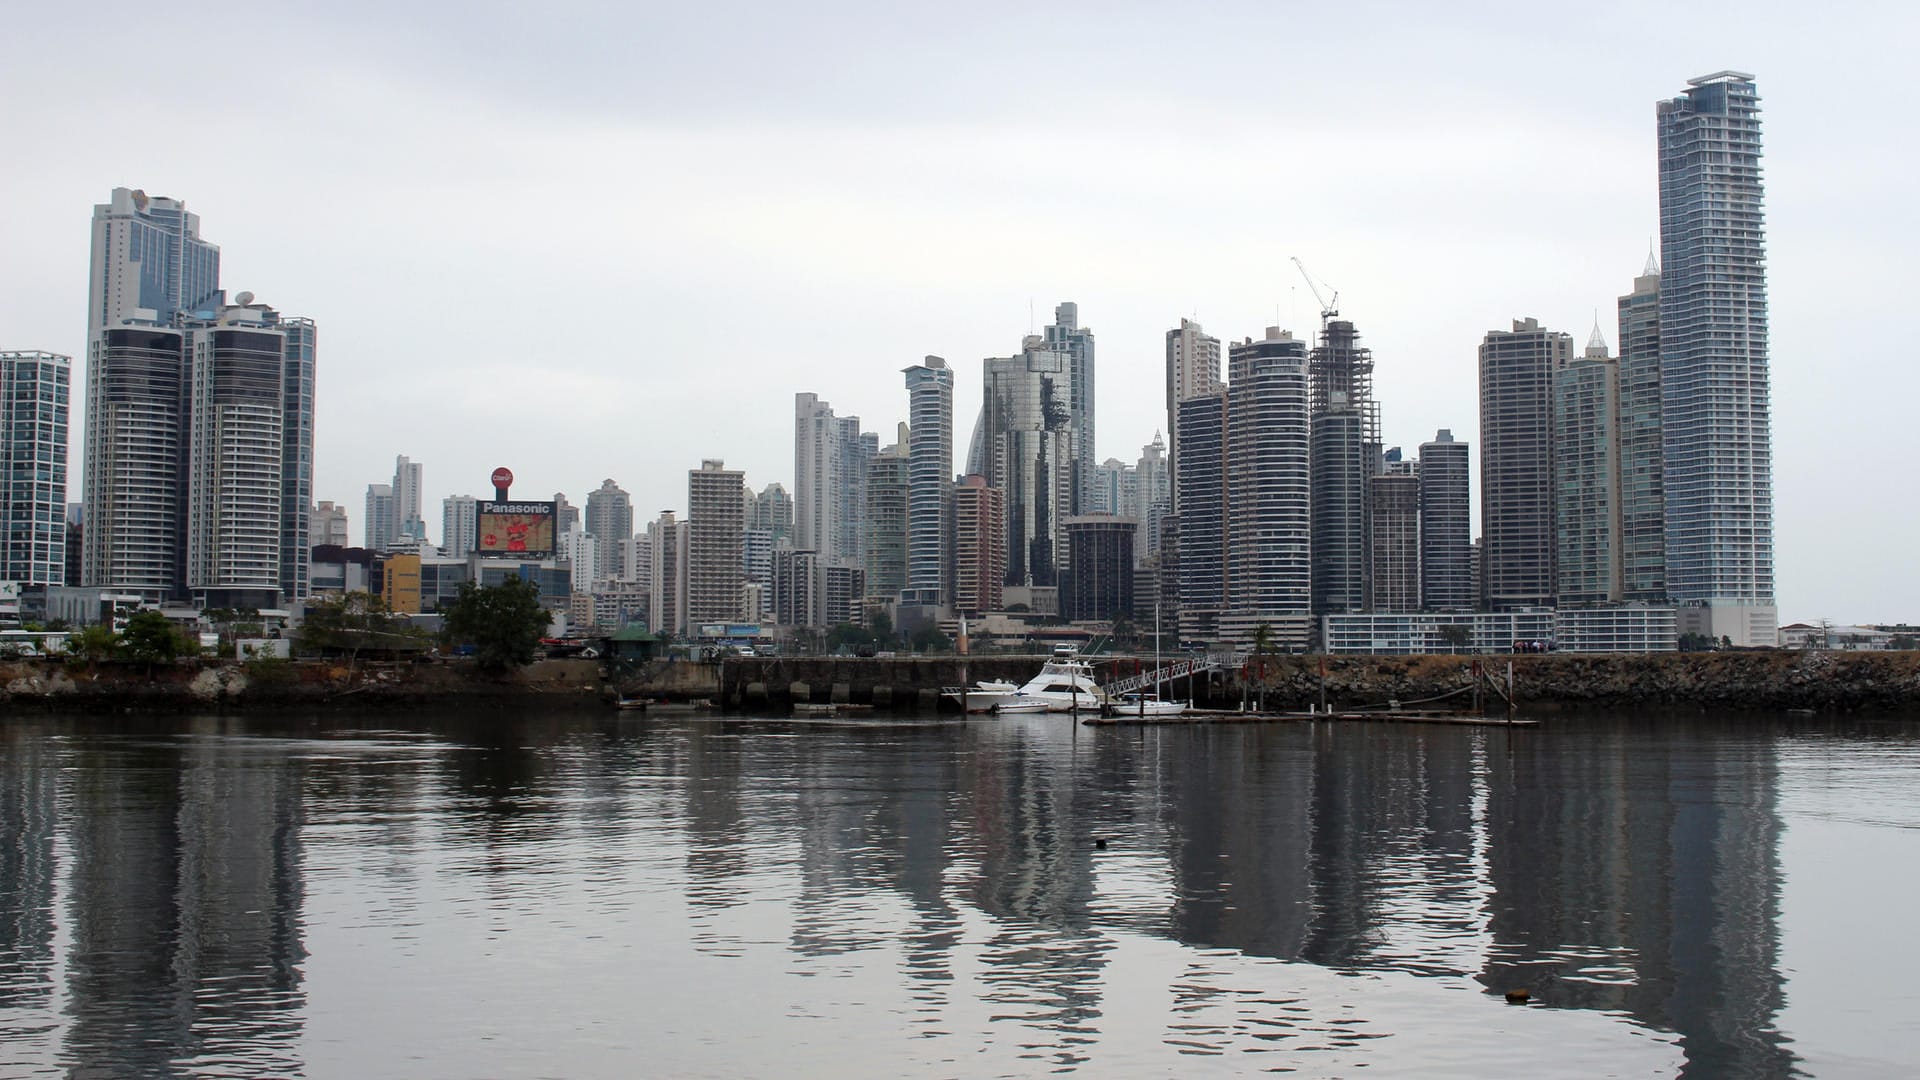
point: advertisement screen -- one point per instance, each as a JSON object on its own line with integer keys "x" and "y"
{"x": 515, "y": 528}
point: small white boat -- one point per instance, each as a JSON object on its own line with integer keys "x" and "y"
{"x": 1020, "y": 703}
{"x": 1144, "y": 705}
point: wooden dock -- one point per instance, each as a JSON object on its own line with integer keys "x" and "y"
{"x": 1227, "y": 716}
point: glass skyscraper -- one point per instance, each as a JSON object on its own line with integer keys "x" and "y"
{"x": 1714, "y": 399}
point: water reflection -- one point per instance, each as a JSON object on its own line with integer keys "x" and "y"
{"x": 1040, "y": 894}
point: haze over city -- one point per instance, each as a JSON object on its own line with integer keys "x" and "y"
{"x": 614, "y": 242}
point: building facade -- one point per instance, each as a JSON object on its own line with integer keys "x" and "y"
{"x": 1516, "y": 463}
{"x": 1586, "y": 478}
{"x": 1193, "y": 370}
{"x": 1393, "y": 577}
{"x": 980, "y": 546}
{"x": 379, "y": 525}
{"x": 1446, "y": 525}
{"x": 888, "y": 489}
{"x": 1267, "y": 503}
{"x": 1100, "y": 586}
{"x": 1715, "y": 402}
{"x": 34, "y": 402}
{"x": 930, "y": 513}
{"x": 1029, "y": 445}
{"x": 460, "y": 522}
{"x": 715, "y": 542}
{"x": 1643, "y": 516}
{"x": 609, "y": 517}
{"x": 1346, "y": 453}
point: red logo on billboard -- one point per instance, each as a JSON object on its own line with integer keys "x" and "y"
{"x": 502, "y": 477}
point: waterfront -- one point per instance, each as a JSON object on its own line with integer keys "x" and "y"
{"x": 591, "y": 894}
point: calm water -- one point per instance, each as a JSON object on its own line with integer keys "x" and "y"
{"x": 582, "y": 895}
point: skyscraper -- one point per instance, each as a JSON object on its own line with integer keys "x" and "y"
{"x": 34, "y": 391}
{"x": 199, "y": 449}
{"x": 1447, "y": 556}
{"x": 1393, "y": 577}
{"x": 667, "y": 576}
{"x": 929, "y": 473}
{"x": 1516, "y": 463}
{"x": 1586, "y": 478}
{"x": 1028, "y": 447}
{"x": 149, "y": 264}
{"x": 409, "y": 520}
{"x": 1200, "y": 480}
{"x": 885, "y": 520}
{"x": 609, "y": 518}
{"x": 980, "y": 546}
{"x": 328, "y": 526}
{"x": 1267, "y": 503}
{"x": 1714, "y": 390}
{"x": 378, "y": 524}
{"x": 715, "y": 542}
{"x": 1066, "y": 335}
{"x": 1100, "y": 584}
{"x": 1643, "y": 527}
{"x": 1345, "y": 454}
{"x": 459, "y": 524}
{"x": 830, "y": 456}
{"x": 1193, "y": 370}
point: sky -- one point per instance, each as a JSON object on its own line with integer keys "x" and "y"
{"x": 613, "y": 240}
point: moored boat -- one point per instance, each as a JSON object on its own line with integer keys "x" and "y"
{"x": 1065, "y": 684}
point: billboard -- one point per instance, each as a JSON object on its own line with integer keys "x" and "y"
{"x": 520, "y": 529}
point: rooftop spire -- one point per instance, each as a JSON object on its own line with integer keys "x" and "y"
{"x": 1653, "y": 262}
{"x": 1596, "y": 342}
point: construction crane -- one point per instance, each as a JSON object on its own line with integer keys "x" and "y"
{"x": 1329, "y": 305}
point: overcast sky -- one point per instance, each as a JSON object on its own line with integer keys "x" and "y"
{"x": 613, "y": 241}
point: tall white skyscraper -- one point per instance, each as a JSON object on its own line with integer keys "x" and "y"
{"x": 34, "y": 388}
{"x": 379, "y": 525}
{"x": 1066, "y": 335}
{"x": 930, "y": 522}
{"x": 459, "y": 525}
{"x": 1193, "y": 370}
{"x": 830, "y": 456}
{"x": 149, "y": 263}
{"x": 408, "y": 518}
{"x": 1715, "y": 403}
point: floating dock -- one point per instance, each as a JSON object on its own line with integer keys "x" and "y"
{"x": 1228, "y": 716}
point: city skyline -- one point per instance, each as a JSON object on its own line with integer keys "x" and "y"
{"x": 1453, "y": 246}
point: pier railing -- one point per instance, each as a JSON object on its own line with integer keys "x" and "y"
{"x": 1165, "y": 673}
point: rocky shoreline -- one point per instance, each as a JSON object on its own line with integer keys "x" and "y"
{"x": 1722, "y": 682}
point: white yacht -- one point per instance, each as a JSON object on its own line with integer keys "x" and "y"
{"x": 1064, "y": 683}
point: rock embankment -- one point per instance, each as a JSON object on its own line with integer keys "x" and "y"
{"x": 81, "y": 686}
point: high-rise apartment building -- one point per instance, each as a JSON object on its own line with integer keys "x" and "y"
{"x": 34, "y": 403}
{"x": 1643, "y": 524}
{"x": 715, "y": 542}
{"x": 566, "y": 516}
{"x": 830, "y": 455}
{"x": 1028, "y": 446}
{"x": 327, "y": 526}
{"x": 980, "y": 546}
{"x": 1345, "y": 454}
{"x": 1393, "y": 578}
{"x": 930, "y": 513}
{"x": 609, "y": 518}
{"x": 1200, "y": 479}
{"x": 1193, "y": 370}
{"x": 1099, "y": 587}
{"x": 1715, "y": 401}
{"x": 667, "y": 576}
{"x": 1516, "y": 463}
{"x": 885, "y": 520}
{"x": 149, "y": 264}
{"x": 460, "y": 523}
{"x": 1447, "y": 554}
{"x": 1586, "y": 478}
{"x": 379, "y": 525}
{"x": 1067, "y": 336}
{"x": 409, "y": 520}
{"x": 772, "y": 509}
{"x": 199, "y": 455}
{"x": 1267, "y": 497}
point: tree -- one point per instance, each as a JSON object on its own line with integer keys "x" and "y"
{"x": 151, "y": 639}
{"x": 928, "y": 638}
{"x": 95, "y": 642}
{"x": 846, "y": 635}
{"x": 1901, "y": 642}
{"x": 1123, "y": 631}
{"x": 351, "y": 623}
{"x": 1457, "y": 636}
{"x": 881, "y": 624}
{"x": 502, "y": 622}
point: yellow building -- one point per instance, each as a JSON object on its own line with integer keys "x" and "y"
{"x": 400, "y": 583}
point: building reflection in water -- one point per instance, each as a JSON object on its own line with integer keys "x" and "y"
{"x": 184, "y": 907}
{"x": 28, "y": 872}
